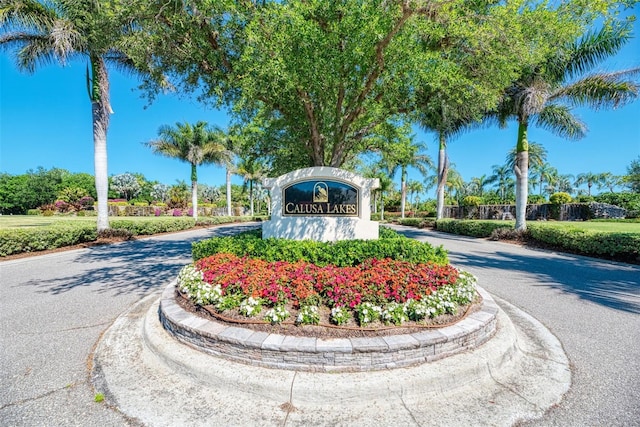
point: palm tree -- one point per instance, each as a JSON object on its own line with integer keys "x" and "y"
{"x": 547, "y": 92}
{"x": 252, "y": 171}
{"x": 501, "y": 175}
{"x": 563, "y": 183}
{"x": 413, "y": 188}
{"x": 537, "y": 156}
{"x": 478, "y": 183}
{"x": 379, "y": 171}
{"x": 456, "y": 183}
{"x": 230, "y": 141}
{"x": 590, "y": 179}
{"x": 195, "y": 145}
{"x": 399, "y": 152}
{"x": 55, "y": 31}
{"x": 413, "y": 157}
{"x": 447, "y": 121}
{"x": 610, "y": 181}
{"x": 544, "y": 173}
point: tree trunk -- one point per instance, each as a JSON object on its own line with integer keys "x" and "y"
{"x": 194, "y": 191}
{"x": 403, "y": 191}
{"x": 442, "y": 177}
{"x": 100, "y": 110}
{"x": 251, "y": 197}
{"x": 228, "y": 192}
{"x": 521, "y": 169}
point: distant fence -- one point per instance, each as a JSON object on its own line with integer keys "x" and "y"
{"x": 546, "y": 211}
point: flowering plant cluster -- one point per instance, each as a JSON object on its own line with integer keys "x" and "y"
{"x": 390, "y": 291}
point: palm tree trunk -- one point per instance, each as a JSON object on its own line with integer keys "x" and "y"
{"x": 228, "y": 191}
{"x": 403, "y": 191}
{"x": 442, "y": 177}
{"x": 194, "y": 191}
{"x": 100, "y": 110}
{"x": 251, "y": 197}
{"x": 521, "y": 169}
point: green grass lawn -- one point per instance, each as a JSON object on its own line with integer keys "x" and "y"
{"x": 599, "y": 226}
{"x": 29, "y": 221}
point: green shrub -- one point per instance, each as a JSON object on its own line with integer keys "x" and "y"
{"x": 341, "y": 253}
{"x": 474, "y": 228}
{"x": 34, "y": 212}
{"x": 472, "y": 201}
{"x": 583, "y": 198}
{"x": 14, "y": 241}
{"x": 536, "y": 199}
{"x": 620, "y": 246}
{"x": 629, "y": 201}
{"x": 417, "y": 222}
{"x": 410, "y": 222}
{"x": 560, "y": 198}
{"x": 154, "y": 226}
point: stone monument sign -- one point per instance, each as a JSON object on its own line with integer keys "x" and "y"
{"x": 320, "y": 203}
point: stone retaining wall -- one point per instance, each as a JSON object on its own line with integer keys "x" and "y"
{"x": 327, "y": 355}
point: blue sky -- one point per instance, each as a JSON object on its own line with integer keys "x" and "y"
{"x": 45, "y": 120}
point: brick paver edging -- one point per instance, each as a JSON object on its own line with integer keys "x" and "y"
{"x": 327, "y": 355}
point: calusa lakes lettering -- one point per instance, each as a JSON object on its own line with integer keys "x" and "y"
{"x": 320, "y": 209}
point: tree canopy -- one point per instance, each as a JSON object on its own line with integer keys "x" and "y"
{"x": 322, "y": 78}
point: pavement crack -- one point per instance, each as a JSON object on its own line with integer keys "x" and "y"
{"x": 510, "y": 388}
{"x": 75, "y": 328}
{"x": 32, "y": 399}
{"x": 404, "y": 404}
{"x": 288, "y": 406}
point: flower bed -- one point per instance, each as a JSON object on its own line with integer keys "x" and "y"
{"x": 373, "y": 293}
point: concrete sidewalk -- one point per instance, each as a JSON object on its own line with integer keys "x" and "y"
{"x": 155, "y": 380}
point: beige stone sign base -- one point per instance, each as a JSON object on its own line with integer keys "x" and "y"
{"x": 320, "y": 227}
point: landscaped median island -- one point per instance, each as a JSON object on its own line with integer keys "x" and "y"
{"x": 341, "y": 287}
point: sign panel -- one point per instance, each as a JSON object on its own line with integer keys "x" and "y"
{"x": 320, "y": 198}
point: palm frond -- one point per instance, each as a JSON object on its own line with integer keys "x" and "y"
{"x": 594, "y": 48}
{"x": 30, "y": 14}
{"x": 35, "y": 52}
{"x": 602, "y": 89}
{"x": 559, "y": 120}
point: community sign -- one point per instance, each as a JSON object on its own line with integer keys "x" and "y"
{"x": 320, "y": 198}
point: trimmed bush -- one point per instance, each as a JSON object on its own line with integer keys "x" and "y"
{"x": 417, "y": 222}
{"x": 620, "y": 246}
{"x": 342, "y": 253}
{"x": 472, "y": 201}
{"x": 560, "y": 198}
{"x": 14, "y": 241}
{"x": 472, "y": 228}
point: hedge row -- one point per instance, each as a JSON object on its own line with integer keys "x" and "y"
{"x": 474, "y": 228}
{"x": 19, "y": 240}
{"x": 341, "y": 253}
{"x": 618, "y": 246}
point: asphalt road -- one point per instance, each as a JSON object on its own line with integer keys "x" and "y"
{"x": 54, "y": 308}
{"x": 592, "y": 306}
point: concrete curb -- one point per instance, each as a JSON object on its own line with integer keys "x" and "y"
{"x": 244, "y": 345}
{"x": 151, "y": 377}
